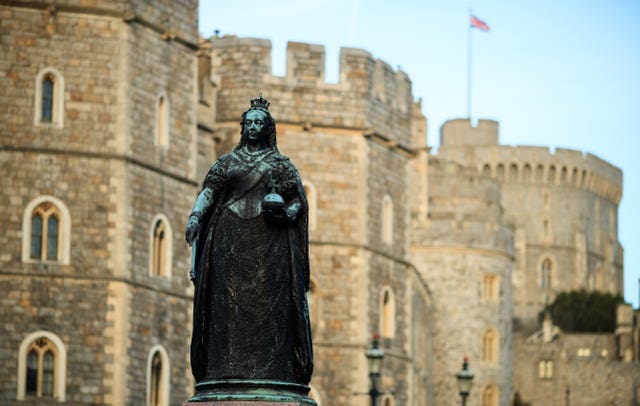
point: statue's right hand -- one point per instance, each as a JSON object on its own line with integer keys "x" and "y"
{"x": 191, "y": 232}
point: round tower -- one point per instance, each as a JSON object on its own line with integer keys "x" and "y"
{"x": 465, "y": 252}
{"x": 563, "y": 208}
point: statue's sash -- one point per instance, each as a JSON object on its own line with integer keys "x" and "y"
{"x": 251, "y": 170}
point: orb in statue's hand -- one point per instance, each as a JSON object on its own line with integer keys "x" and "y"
{"x": 272, "y": 202}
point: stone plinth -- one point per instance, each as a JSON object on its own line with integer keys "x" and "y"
{"x": 240, "y": 403}
{"x": 258, "y": 392}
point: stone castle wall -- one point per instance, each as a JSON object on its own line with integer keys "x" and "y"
{"x": 462, "y": 241}
{"x": 585, "y": 364}
{"x": 101, "y": 161}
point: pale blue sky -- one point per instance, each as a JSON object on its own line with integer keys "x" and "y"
{"x": 553, "y": 73}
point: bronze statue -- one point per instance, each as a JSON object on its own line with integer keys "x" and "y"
{"x": 248, "y": 229}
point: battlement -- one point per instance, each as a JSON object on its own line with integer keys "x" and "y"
{"x": 369, "y": 96}
{"x": 460, "y": 132}
{"x": 479, "y": 147}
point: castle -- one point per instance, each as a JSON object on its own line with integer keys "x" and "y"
{"x": 114, "y": 111}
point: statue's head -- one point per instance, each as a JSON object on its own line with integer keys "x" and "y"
{"x": 259, "y": 110}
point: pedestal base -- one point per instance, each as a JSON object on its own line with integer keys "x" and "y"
{"x": 240, "y": 392}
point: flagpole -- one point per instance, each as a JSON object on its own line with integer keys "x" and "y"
{"x": 469, "y": 54}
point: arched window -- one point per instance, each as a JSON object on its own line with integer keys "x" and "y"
{"x": 387, "y": 313}
{"x": 162, "y": 121}
{"x": 46, "y": 231}
{"x": 539, "y": 173}
{"x": 551, "y": 178}
{"x": 545, "y": 369}
{"x": 574, "y": 178}
{"x": 160, "y": 247}
{"x": 546, "y": 268}
{"x": 158, "y": 377}
{"x": 564, "y": 175}
{"x": 500, "y": 172}
{"x": 486, "y": 170}
{"x": 490, "y": 287}
{"x": 490, "y": 396}
{"x": 387, "y": 400}
{"x": 49, "y": 98}
{"x": 490, "y": 346}
{"x": 41, "y": 367}
{"x": 387, "y": 219}
{"x": 312, "y": 202}
{"x": 526, "y": 173}
{"x": 45, "y": 235}
{"x": 513, "y": 173}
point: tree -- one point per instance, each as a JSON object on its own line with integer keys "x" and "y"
{"x": 580, "y": 311}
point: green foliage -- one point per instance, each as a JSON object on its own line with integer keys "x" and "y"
{"x": 580, "y": 311}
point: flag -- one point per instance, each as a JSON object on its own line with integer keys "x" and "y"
{"x": 478, "y": 23}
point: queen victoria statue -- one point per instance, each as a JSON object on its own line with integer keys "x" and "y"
{"x": 248, "y": 231}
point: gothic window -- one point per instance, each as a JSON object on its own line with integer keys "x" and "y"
{"x": 539, "y": 173}
{"x": 545, "y": 369}
{"x": 387, "y": 219}
{"x": 490, "y": 287}
{"x": 46, "y": 231}
{"x": 500, "y": 172}
{"x": 545, "y": 273}
{"x": 156, "y": 371}
{"x": 526, "y": 173}
{"x": 387, "y": 400}
{"x": 41, "y": 367}
{"x": 552, "y": 175}
{"x": 486, "y": 170}
{"x": 490, "y": 346}
{"x": 513, "y": 173}
{"x": 387, "y": 313}
{"x": 162, "y": 121}
{"x": 49, "y": 98}
{"x": 490, "y": 396}
{"x": 160, "y": 247}
{"x": 158, "y": 377}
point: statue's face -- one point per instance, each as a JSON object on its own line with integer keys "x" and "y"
{"x": 254, "y": 126}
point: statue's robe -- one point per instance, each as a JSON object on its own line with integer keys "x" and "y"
{"x": 251, "y": 318}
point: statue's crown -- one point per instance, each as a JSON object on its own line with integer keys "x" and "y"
{"x": 260, "y": 103}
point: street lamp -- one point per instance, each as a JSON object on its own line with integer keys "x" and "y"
{"x": 465, "y": 379}
{"x": 374, "y": 359}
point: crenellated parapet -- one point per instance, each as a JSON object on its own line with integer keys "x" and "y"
{"x": 370, "y": 96}
{"x": 479, "y": 147}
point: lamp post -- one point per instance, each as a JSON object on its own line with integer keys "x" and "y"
{"x": 465, "y": 379}
{"x": 374, "y": 359}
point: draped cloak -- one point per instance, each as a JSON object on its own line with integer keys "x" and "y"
{"x": 251, "y": 317}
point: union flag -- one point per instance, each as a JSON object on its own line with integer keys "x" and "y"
{"x": 478, "y": 23}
